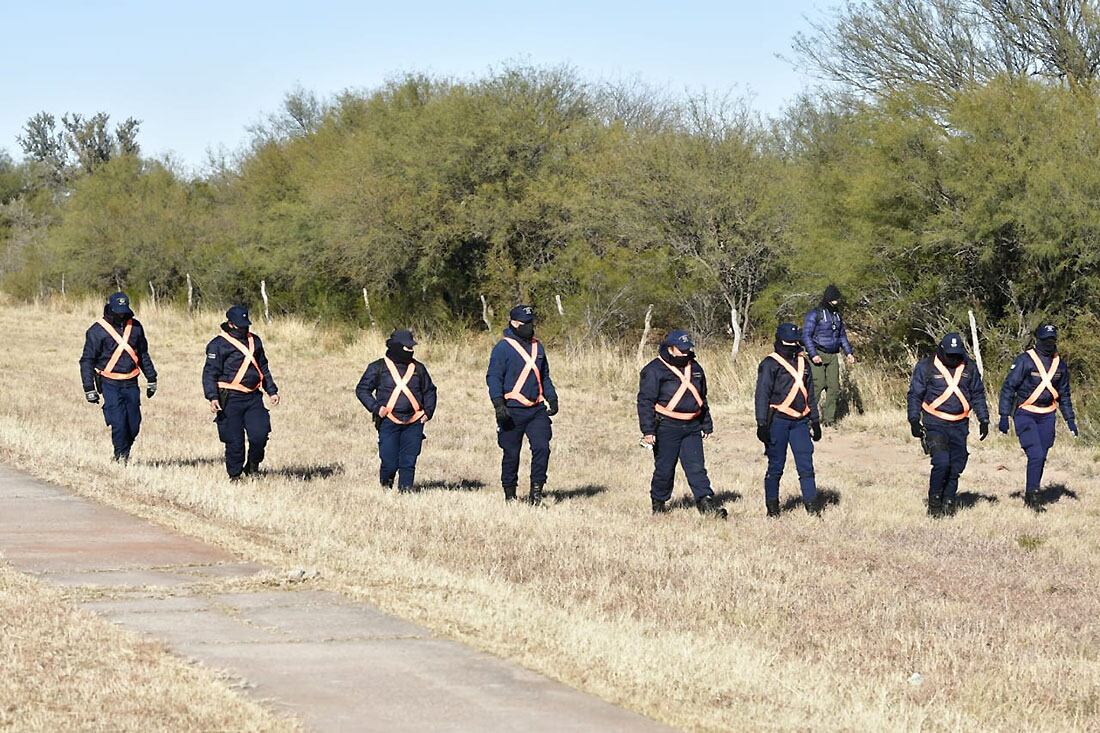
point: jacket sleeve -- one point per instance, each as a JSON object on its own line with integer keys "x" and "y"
{"x": 648, "y": 391}
{"x": 708, "y": 421}
{"x": 368, "y": 383}
{"x": 428, "y": 403}
{"x": 809, "y": 325}
{"x": 142, "y": 348}
{"x": 1006, "y": 404}
{"x": 1065, "y": 402}
{"x": 548, "y": 390}
{"x": 917, "y": 389}
{"x": 494, "y": 376}
{"x": 847, "y": 347}
{"x": 261, "y": 358}
{"x": 977, "y": 396}
{"x": 765, "y": 381}
{"x": 811, "y": 399}
{"x": 87, "y": 361}
{"x": 211, "y": 370}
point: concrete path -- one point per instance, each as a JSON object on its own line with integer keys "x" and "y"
{"x": 335, "y": 664}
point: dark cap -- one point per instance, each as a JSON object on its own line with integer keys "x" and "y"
{"x": 952, "y": 343}
{"x": 238, "y": 316}
{"x": 680, "y": 339}
{"x": 522, "y": 313}
{"x": 831, "y": 293}
{"x": 788, "y": 333}
{"x": 1046, "y": 331}
{"x": 119, "y": 304}
{"x": 403, "y": 337}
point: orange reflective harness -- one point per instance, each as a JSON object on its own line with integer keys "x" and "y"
{"x": 529, "y": 366}
{"x": 952, "y": 388}
{"x": 799, "y": 386}
{"x": 685, "y": 386}
{"x": 401, "y": 387}
{"x": 249, "y": 360}
{"x": 122, "y": 347}
{"x": 1046, "y": 382}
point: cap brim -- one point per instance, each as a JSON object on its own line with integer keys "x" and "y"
{"x": 123, "y": 312}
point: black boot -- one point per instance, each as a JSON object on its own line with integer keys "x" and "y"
{"x": 950, "y": 507}
{"x": 659, "y": 506}
{"x": 707, "y": 505}
{"x": 813, "y": 507}
{"x": 509, "y": 493}
{"x": 935, "y": 505}
{"x": 235, "y": 479}
{"x": 1032, "y": 502}
{"x": 535, "y": 497}
{"x": 773, "y": 507}
{"x": 386, "y": 483}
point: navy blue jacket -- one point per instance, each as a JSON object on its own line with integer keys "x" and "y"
{"x": 223, "y": 359}
{"x": 376, "y": 386}
{"x": 657, "y": 385}
{"x": 1022, "y": 380}
{"x": 773, "y": 384}
{"x": 505, "y": 366}
{"x": 100, "y": 345}
{"x": 823, "y": 330}
{"x": 928, "y": 384}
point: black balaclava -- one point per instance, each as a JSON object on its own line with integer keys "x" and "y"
{"x": 951, "y": 361}
{"x": 676, "y": 361}
{"x": 237, "y": 332}
{"x": 831, "y": 293}
{"x": 525, "y": 331}
{"x": 1047, "y": 347}
{"x": 787, "y": 351}
{"x": 397, "y": 353}
{"x": 115, "y": 319}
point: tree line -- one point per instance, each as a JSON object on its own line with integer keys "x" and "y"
{"x": 947, "y": 162}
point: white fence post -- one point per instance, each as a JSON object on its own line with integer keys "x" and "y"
{"x": 263, "y": 294}
{"x": 645, "y": 332}
{"x": 977, "y": 345}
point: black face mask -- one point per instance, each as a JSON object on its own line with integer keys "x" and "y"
{"x": 787, "y": 352}
{"x": 398, "y": 354}
{"x": 525, "y": 331}
{"x": 1046, "y": 347}
{"x": 115, "y": 319}
{"x": 236, "y": 332}
{"x": 951, "y": 361}
{"x": 676, "y": 361}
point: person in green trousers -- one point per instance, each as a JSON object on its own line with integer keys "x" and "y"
{"x": 824, "y": 336}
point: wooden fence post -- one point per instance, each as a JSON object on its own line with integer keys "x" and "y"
{"x": 735, "y": 325}
{"x": 190, "y": 294}
{"x": 263, "y": 294}
{"x": 366, "y": 304}
{"x": 485, "y": 313}
{"x": 977, "y": 344}
{"x": 645, "y": 332}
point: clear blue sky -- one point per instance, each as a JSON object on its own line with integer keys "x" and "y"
{"x": 198, "y": 72}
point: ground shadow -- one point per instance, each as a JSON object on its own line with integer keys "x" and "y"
{"x": 185, "y": 462}
{"x": 850, "y": 399}
{"x": 971, "y": 499}
{"x": 825, "y": 498}
{"x": 1050, "y": 494}
{"x": 582, "y": 492}
{"x": 720, "y": 498}
{"x": 305, "y": 473}
{"x": 465, "y": 484}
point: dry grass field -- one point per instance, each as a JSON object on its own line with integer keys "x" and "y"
{"x": 872, "y": 617}
{"x": 65, "y": 670}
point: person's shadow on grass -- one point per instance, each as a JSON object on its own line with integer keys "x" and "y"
{"x": 721, "y": 498}
{"x": 825, "y": 498}
{"x": 1050, "y": 494}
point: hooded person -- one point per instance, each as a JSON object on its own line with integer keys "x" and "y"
{"x": 234, "y": 378}
{"x": 1037, "y": 386}
{"x": 786, "y": 415}
{"x": 524, "y": 400}
{"x": 674, "y": 418}
{"x": 115, "y": 353}
{"x": 945, "y": 388}
{"x": 399, "y": 393}
{"x": 825, "y": 337}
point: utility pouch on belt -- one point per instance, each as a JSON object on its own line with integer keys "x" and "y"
{"x": 98, "y": 381}
{"x": 377, "y": 422}
{"x": 223, "y": 398}
{"x": 924, "y": 445}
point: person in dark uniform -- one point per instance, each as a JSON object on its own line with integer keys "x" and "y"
{"x": 825, "y": 337}
{"x": 524, "y": 400}
{"x": 786, "y": 415}
{"x": 945, "y": 388}
{"x": 235, "y": 372}
{"x": 674, "y": 418}
{"x": 1037, "y": 385}
{"x": 398, "y": 392}
{"x": 115, "y": 353}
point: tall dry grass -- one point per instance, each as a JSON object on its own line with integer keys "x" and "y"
{"x": 749, "y": 624}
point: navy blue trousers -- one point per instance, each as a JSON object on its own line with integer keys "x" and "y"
{"x": 679, "y": 441}
{"x": 535, "y": 424}
{"x": 947, "y": 446}
{"x": 399, "y": 447}
{"x": 1036, "y": 434}
{"x": 796, "y": 434}
{"x": 243, "y": 414}
{"x": 122, "y": 412}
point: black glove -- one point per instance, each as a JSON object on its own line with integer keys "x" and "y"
{"x": 1072, "y": 425}
{"x": 150, "y": 390}
{"x": 92, "y": 396}
{"x": 1003, "y": 424}
{"x": 983, "y": 430}
{"x": 551, "y": 407}
{"x": 762, "y": 434}
{"x": 504, "y": 419}
{"x": 815, "y": 431}
{"x": 916, "y": 428}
